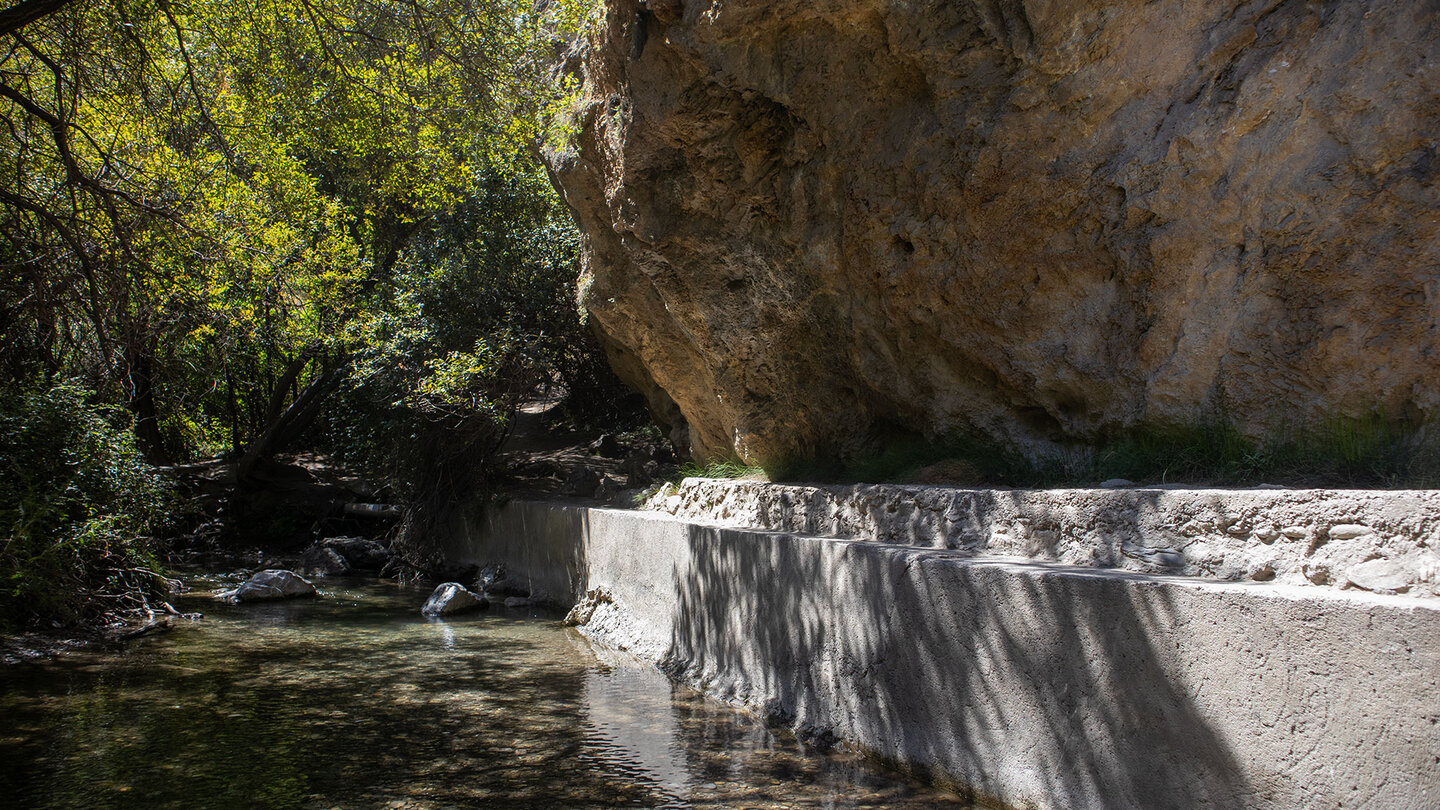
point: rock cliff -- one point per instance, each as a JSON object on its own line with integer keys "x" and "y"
{"x": 809, "y": 222}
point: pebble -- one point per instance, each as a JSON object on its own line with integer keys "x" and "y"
{"x": 1348, "y": 531}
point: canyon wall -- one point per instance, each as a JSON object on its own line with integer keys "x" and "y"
{"x": 809, "y": 223}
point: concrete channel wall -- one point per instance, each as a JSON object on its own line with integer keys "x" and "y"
{"x": 1033, "y": 684}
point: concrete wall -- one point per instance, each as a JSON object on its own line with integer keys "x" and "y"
{"x": 1033, "y": 684}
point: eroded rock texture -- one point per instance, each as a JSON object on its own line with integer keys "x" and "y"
{"x": 812, "y": 221}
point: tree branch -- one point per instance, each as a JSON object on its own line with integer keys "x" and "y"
{"x": 22, "y": 14}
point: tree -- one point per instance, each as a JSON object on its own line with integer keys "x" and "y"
{"x": 243, "y": 221}
{"x": 204, "y": 195}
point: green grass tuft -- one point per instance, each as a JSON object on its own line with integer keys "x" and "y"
{"x": 719, "y": 469}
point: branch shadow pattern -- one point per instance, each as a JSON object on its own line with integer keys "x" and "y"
{"x": 1060, "y": 690}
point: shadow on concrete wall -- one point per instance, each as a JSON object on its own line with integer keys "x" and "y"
{"x": 1059, "y": 689}
{"x": 542, "y": 543}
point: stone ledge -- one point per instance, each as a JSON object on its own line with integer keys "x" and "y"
{"x": 1386, "y": 541}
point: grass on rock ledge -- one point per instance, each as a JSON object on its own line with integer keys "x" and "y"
{"x": 721, "y": 469}
{"x": 1346, "y": 453}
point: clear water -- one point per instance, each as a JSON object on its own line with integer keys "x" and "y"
{"x": 355, "y": 700}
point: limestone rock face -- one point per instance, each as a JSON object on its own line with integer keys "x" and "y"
{"x": 810, "y": 221}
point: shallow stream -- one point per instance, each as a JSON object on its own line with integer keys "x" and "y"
{"x": 355, "y": 700}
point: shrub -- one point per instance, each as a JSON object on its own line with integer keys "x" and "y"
{"x": 77, "y": 501}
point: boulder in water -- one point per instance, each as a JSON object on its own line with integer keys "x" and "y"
{"x": 271, "y": 584}
{"x": 362, "y": 554}
{"x": 321, "y": 561}
{"x": 452, "y": 597}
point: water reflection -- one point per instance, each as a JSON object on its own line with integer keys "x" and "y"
{"x": 631, "y": 727}
{"x": 447, "y": 635}
{"x": 355, "y": 700}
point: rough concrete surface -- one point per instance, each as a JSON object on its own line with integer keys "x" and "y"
{"x": 1377, "y": 540}
{"x": 809, "y": 223}
{"x": 1032, "y": 684}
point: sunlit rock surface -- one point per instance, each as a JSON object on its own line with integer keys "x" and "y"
{"x": 809, "y": 223}
{"x": 452, "y": 597}
{"x": 269, "y": 585}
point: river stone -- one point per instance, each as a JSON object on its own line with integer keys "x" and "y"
{"x": 1381, "y": 576}
{"x": 452, "y": 597}
{"x": 809, "y": 224}
{"x": 271, "y": 584}
{"x": 1348, "y": 531}
{"x": 359, "y": 552}
{"x": 320, "y": 561}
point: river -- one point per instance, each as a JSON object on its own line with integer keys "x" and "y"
{"x": 355, "y": 700}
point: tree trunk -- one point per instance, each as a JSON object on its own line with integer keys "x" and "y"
{"x": 140, "y": 390}
{"x": 293, "y": 421}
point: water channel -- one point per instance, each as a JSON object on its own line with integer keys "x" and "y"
{"x": 355, "y": 700}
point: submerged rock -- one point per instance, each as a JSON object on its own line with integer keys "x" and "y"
{"x": 272, "y": 584}
{"x": 339, "y": 556}
{"x": 452, "y": 597}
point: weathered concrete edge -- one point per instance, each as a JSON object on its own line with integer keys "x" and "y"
{"x": 1034, "y": 685}
{"x": 1381, "y": 540}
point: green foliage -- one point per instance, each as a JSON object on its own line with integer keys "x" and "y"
{"x": 231, "y": 191}
{"x": 908, "y": 459}
{"x": 234, "y": 218}
{"x": 76, "y": 500}
{"x": 481, "y": 314}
